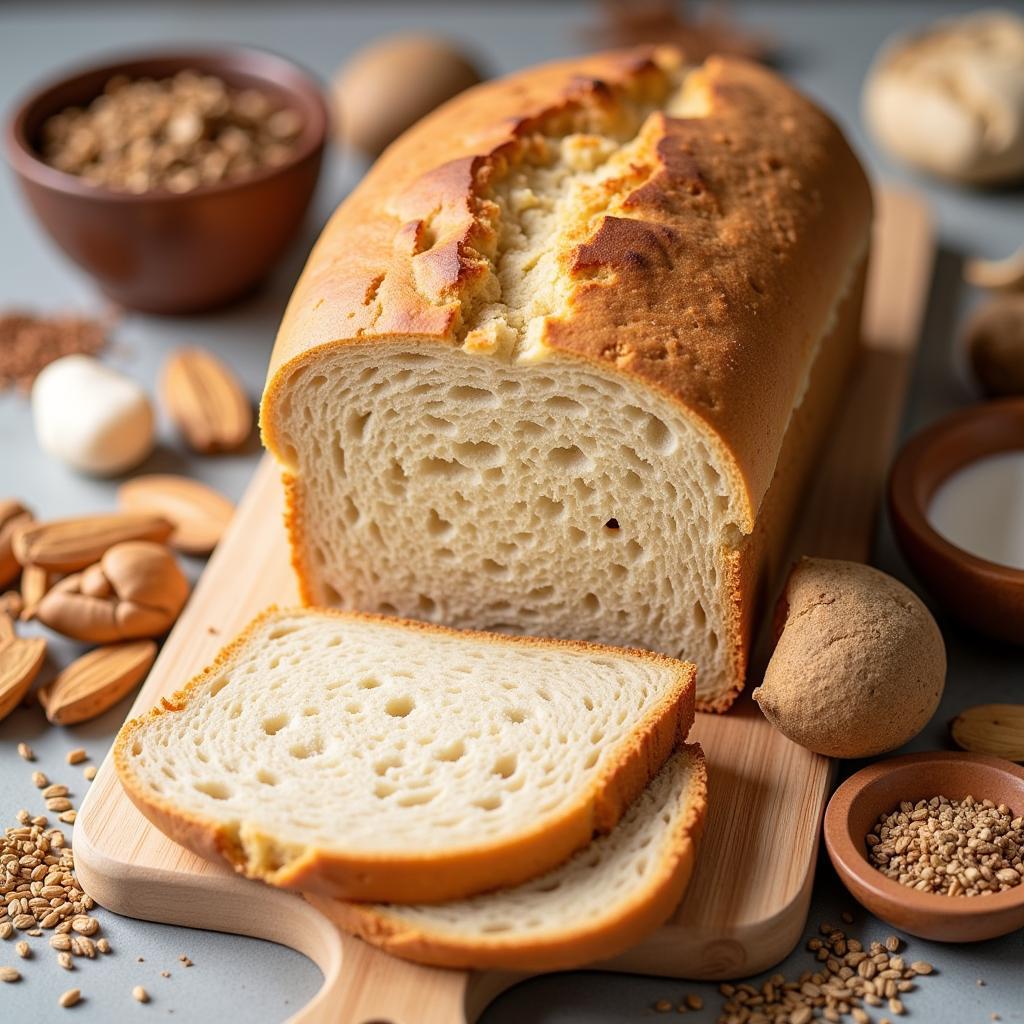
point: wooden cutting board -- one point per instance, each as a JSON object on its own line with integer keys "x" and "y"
{"x": 747, "y": 904}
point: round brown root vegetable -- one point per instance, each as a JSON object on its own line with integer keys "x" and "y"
{"x": 860, "y": 665}
{"x": 393, "y": 82}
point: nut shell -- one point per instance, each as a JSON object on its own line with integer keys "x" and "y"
{"x": 860, "y": 664}
{"x": 136, "y": 590}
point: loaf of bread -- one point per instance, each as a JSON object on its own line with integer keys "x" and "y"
{"x": 595, "y": 906}
{"x": 561, "y": 362}
{"x": 366, "y": 758}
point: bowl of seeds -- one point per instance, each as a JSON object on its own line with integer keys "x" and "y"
{"x": 177, "y": 180}
{"x": 933, "y": 843}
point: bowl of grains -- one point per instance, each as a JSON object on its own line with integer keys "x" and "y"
{"x": 176, "y": 179}
{"x": 933, "y": 843}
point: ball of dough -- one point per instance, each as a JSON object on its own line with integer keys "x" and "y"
{"x": 950, "y": 100}
{"x": 390, "y": 84}
{"x": 995, "y": 345}
{"x": 93, "y": 418}
{"x": 860, "y": 665}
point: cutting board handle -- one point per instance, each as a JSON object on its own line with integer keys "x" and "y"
{"x": 365, "y": 986}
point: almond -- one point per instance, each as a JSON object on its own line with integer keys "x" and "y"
{"x": 96, "y": 681}
{"x": 35, "y": 582}
{"x": 20, "y": 661}
{"x": 67, "y": 545}
{"x": 199, "y": 514}
{"x": 13, "y": 515}
{"x": 205, "y": 400}
{"x": 996, "y": 729}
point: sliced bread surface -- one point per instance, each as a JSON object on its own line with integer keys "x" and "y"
{"x": 368, "y": 758}
{"x": 603, "y": 900}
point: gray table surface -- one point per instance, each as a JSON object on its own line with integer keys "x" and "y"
{"x": 828, "y": 47}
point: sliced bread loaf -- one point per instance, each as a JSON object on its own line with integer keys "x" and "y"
{"x": 602, "y": 901}
{"x": 561, "y": 362}
{"x": 369, "y": 758}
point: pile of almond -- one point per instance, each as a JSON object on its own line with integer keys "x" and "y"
{"x": 111, "y": 581}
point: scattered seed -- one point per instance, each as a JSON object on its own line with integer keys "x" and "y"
{"x": 77, "y": 756}
{"x": 64, "y": 959}
{"x": 10, "y": 974}
{"x": 6, "y": 929}
{"x": 40, "y": 781}
{"x": 167, "y": 974}
{"x": 54, "y": 790}
{"x": 694, "y": 1002}
{"x": 60, "y": 803}
{"x": 60, "y": 942}
{"x": 185, "y": 960}
{"x": 140, "y": 994}
{"x": 103, "y": 946}
{"x": 69, "y": 817}
{"x": 89, "y": 771}
{"x": 72, "y": 997}
{"x": 25, "y": 751}
{"x": 923, "y": 967}
{"x": 24, "y": 949}
{"x": 663, "y": 1006}
{"x": 85, "y": 925}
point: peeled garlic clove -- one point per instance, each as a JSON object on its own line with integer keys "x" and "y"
{"x": 91, "y": 417}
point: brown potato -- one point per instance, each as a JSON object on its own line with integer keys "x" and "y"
{"x": 860, "y": 665}
{"x": 390, "y": 84}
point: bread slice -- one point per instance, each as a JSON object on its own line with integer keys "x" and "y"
{"x": 562, "y": 362}
{"x": 369, "y": 758}
{"x": 602, "y": 901}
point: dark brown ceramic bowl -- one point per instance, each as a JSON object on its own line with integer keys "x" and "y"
{"x": 986, "y": 595}
{"x": 858, "y": 803}
{"x": 163, "y": 252}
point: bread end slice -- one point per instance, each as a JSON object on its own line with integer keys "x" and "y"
{"x": 294, "y": 803}
{"x": 605, "y": 899}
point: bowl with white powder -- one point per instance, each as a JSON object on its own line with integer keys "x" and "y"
{"x": 956, "y": 495}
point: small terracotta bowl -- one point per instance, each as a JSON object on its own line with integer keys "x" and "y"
{"x": 858, "y": 803}
{"x": 986, "y": 595}
{"x": 163, "y": 252}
